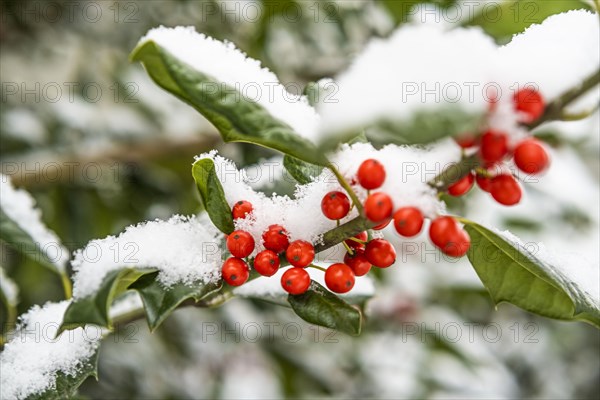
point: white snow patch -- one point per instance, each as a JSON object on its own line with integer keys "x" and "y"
{"x": 391, "y": 78}
{"x": 224, "y": 62}
{"x": 31, "y": 361}
{"x": 19, "y": 206}
{"x": 183, "y": 249}
{"x": 9, "y": 288}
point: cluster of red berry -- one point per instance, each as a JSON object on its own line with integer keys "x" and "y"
{"x": 529, "y": 155}
{"x": 240, "y": 244}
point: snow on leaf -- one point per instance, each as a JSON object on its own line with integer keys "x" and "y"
{"x": 226, "y": 63}
{"x": 35, "y": 362}
{"x": 23, "y": 228}
{"x": 425, "y": 73}
{"x": 183, "y": 250}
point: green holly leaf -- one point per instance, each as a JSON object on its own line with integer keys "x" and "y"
{"x": 513, "y": 274}
{"x": 159, "y": 301}
{"x": 17, "y": 238}
{"x": 94, "y": 309}
{"x": 301, "y": 171}
{"x": 212, "y": 195}
{"x": 66, "y": 385}
{"x": 237, "y": 118}
{"x": 321, "y": 307}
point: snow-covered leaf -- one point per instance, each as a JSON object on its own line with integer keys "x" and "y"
{"x": 321, "y": 307}
{"x": 39, "y": 364}
{"x": 65, "y": 386}
{"x": 94, "y": 309}
{"x": 212, "y": 195}
{"x": 514, "y": 274}
{"x": 9, "y": 298}
{"x": 159, "y": 301}
{"x": 22, "y": 228}
{"x": 214, "y": 78}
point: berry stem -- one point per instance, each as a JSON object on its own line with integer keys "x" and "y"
{"x": 347, "y": 188}
{"x": 348, "y": 248}
{"x": 317, "y": 267}
{"x": 357, "y": 240}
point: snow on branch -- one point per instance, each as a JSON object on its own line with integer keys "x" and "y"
{"x": 184, "y": 250}
{"x": 230, "y": 66}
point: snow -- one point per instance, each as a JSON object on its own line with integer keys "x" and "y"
{"x": 8, "y": 288}
{"x": 391, "y": 78}
{"x": 575, "y": 267}
{"x": 31, "y": 361}
{"x": 427, "y": 68}
{"x": 228, "y": 65}
{"x": 19, "y": 206}
{"x": 183, "y": 249}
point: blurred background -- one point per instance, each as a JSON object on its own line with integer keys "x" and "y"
{"x": 101, "y": 147}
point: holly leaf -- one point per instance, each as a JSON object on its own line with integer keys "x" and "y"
{"x": 160, "y": 301}
{"x": 237, "y": 118}
{"x": 513, "y": 274}
{"x": 66, "y": 385}
{"x": 17, "y": 238}
{"x": 94, "y": 309}
{"x": 212, "y": 195}
{"x": 301, "y": 171}
{"x": 321, "y": 307}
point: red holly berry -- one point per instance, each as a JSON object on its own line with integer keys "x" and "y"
{"x": 300, "y": 253}
{"x": 275, "y": 238}
{"x": 408, "y": 221}
{"x": 506, "y": 190}
{"x": 445, "y": 234}
{"x": 356, "y": 245}
{"x": 335, "y": 205}
{"x": 240, "y": 244}
{"x": 380, "y": 253}
{"x": 466, "y": 140}
{"x": 494, "y": 147}
{"x": 339, "y": 278}
{"x": 235, "y": 271}
{"x": 530, "y": 156}
{"x": 382, "y": 225}
{"x": 241, "y": 209}
{"x": 266, "y": 263}
{"x": 371, "y": 174}
{"x": 530, "y": 103}
{"x": 484, "y": 183}
{"x": 358, "y": 262}
{"x": 378, "y": 207}
{"x": 295, "y": 280}
{"x": 462, "y": 186}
